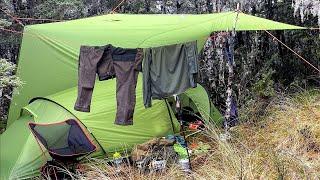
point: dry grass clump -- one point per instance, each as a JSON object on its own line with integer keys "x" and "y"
{"x": 287, "y": 141}
{"x": 98, "y": 169}
{"x": 285, "y": 144}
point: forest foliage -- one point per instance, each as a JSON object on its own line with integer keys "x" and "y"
{"x": 8, "y": 83}
{"x": 263, "y": 66}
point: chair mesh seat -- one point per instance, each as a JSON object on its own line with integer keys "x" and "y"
{"x": 63, "y": 139}
{"x": 68, "y": 151}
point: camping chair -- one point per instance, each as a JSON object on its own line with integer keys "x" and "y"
{"x": 65, "y": 141}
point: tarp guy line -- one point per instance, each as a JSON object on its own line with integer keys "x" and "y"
{"x": 265, "y": 29}
{"x": 16, "y": 18}
{"x": 292, "y": 51}
{"x": 114, "y": 9}
{"x": 13, "y": 17}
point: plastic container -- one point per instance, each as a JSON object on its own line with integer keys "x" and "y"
{"x": 117, "y": 161}
{"x": 184, "y": 165}
{"x": 141, "y": 165}
{"x": 158, "y": 165}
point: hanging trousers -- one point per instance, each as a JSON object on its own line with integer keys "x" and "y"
{"x": 109, "y": 62}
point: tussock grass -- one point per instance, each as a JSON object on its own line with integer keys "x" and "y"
{"x": 284, "y": 144}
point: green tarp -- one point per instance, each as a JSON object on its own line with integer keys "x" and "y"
{"x": 48, "y": 63}
{"x": 49, "y": 52}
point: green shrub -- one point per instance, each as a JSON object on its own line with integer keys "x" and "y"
{"x": 8, "y": 83}
{"x": 264, "y": 87}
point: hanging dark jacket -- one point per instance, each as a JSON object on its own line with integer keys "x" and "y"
{"x": 169, "y": 70}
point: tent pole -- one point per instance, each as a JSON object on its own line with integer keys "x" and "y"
{"x": 179, "y": 111}
{"x": 169, "y": 111}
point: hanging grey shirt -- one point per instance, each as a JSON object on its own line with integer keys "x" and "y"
{"x": 169, "y": 70}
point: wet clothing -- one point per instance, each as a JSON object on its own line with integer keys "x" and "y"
{"x": 169, "y": 70}
{"x": 127, "y": 70}
{"x": 92, "y": 60}
{"x": 108, "y": 62}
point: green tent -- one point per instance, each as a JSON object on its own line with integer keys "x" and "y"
{"x": 48, "y": 63}
{"x": 21, "y": 158}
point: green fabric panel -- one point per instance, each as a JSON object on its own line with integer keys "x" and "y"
{"x": 187, "y": 102}
{"x": 147, "y": 123}
{"x": 44, "y": 70}
{"x": 11, "y": 145}
{"x": 129, "y": 30}
{"x": 216, "y": 116}
{"x": 200, "y": 98}
{"x": 29, "y": 161}
{"x": 48, "y": 55}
